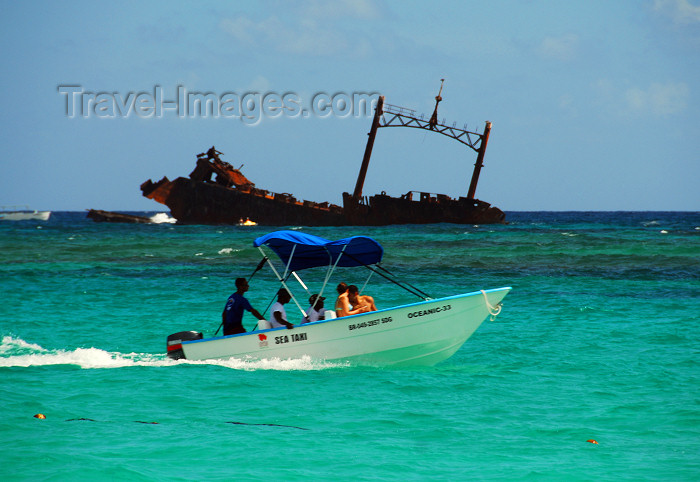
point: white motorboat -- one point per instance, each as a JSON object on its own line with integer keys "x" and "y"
{"x": 422, "y": 333}
{"x": 15, "y": 214}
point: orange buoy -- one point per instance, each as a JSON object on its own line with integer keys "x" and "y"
{"x": 592, "y": 441}
{"x": 40, "y": 415}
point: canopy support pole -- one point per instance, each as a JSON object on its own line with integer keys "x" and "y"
{"x": 331, "y": 269}
{"x": 289, "y": 262}
{"x": 284, "y": 283}
{"x": 303, "y": 285}
{"x": 366, "y": 281}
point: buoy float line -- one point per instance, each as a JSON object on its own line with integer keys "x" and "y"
{"x": 268, "y": 425}
{"x": 83, "y": 419}
{"x": 93, "y": 420}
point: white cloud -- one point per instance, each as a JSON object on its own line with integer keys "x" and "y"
{"x": 658, "y": 99}
{"x": 323, "y": 9}
{"x": 259, "y": 84}
{"x": 559, "y": 48}
{"x": 681, "y": 11}
{"x": 567, "y": 104}
{"x": 307, "y": 37}
{"x": 317, "y": 30}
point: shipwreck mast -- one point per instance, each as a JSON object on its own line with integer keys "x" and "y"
{"x": 479, "y": 160}
{"x": 357, "y": 194}
{"x": 387, "y": 115}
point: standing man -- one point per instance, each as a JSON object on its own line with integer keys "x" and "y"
{"x": 278, "y": 315}
{"x": 232, "y": 316}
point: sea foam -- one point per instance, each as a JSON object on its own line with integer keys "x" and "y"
{"x": 163, "y": 218}
{"x": 15, "y": 352}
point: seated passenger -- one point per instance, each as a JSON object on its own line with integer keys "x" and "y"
{"x": 358, "y": 301}
{"x": 316, "y": 311}
{"x": 278, "y": 315}
{"x": 341, "y": 302}
{"x": 342, "y": 305}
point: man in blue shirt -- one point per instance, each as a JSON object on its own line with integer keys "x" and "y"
{"x": 232, "y": 316}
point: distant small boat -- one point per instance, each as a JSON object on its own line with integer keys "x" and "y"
{"x": 14, "y": 214}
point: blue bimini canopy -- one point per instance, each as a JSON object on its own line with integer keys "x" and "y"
{"x": 309, "y": 251}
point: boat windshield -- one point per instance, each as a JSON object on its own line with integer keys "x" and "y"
{"x": 309, "y": 251}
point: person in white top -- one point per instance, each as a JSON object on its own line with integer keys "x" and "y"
{"x": 278, "y": 315}
{"x": 316, "y": 311}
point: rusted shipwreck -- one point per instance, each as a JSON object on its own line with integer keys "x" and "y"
{"x": 101, "y": 216}
{"x": 217, "y": 193}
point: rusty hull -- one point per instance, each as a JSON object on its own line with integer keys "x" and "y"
{"x": 230, "y": 198}
{"x": 100, "y": 216}
{"x": 427, "y": 208}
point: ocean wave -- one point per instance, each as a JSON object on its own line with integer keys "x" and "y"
{"x": 15, "y": 352}
{"x": 162, "y": 218}
{"x": 304, "y": 363}
{"x": 12, "y": 345}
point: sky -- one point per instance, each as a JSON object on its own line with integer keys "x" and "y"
{"x": 595, "y": 104}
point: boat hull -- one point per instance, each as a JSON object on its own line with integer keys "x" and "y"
{"x": 100, "y": 216}
{"x": 195, "y": 202}
{"x": 422, "y": 333}
{"x": 25, "y": 215}
{"x": 380, "y": 209}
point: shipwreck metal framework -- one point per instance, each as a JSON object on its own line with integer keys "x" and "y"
{"x": 388, "y": 115}
{"x": 396, "y": 116}
{"x": 218, "y": 193}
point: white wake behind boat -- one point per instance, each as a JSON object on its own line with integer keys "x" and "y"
{"x": 422, "y": 333}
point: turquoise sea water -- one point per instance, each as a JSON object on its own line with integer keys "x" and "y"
{"x": 599, "y": 340}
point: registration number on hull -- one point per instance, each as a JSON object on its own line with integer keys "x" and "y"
{"x": 366, "y": 324}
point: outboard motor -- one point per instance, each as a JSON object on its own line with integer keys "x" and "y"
{"x": 175, "y": 343}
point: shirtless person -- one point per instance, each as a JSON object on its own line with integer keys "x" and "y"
{"x": 359, "y": 301}
{"x": 342, "y": 304}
